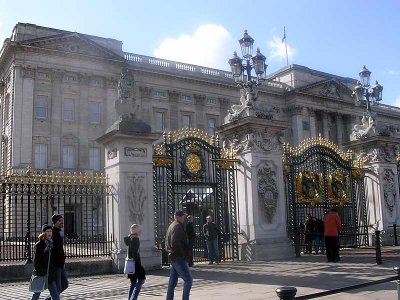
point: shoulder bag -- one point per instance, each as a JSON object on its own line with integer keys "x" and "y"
{"x": 129, "y": 267}
{"x": 37, "y": 283}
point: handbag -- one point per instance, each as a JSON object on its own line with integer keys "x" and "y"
{"x": 129, "y": 267}
{"x": 38, "y": 284}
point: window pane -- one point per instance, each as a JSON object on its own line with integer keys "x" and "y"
{"x": 69, "y": 157}
{"x": 69, "y": 110}
{"x": 211, "y": 126}
{"x": 160, "y": 121}
{"x": 41, "y": 107}
{"x": 94, "y": 158}
{"x": 94, "y": 112}
{"x": 40, "y": 156}
{"x": 186, "y": 121}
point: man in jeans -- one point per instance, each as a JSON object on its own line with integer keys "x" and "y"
{"x": 210, "y": 232}
{"x": 177, "y": 246}
{"x": 59, "y": 254}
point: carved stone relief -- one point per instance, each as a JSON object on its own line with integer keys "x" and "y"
{"x": 379, "y": 154}
{"x": 126, "y": 104}
{"x": 135, "y": 152}
{"x": 112, "y": 154}
{"x": 136, "y": 197}
{"x": 389, "y": 190}
{"x": 267, "y": 191}
{"x": 329, "y": 89}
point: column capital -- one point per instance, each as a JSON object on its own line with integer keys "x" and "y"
{"x": 174, "y": 95}
{"x": 295, "y": 110}
{"x": 199, "y": 99}
{"x": 27, "y": 72}
{"x": 146, "y": 91}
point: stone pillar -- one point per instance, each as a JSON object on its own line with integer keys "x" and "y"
{"x": 129, "y": 167}
{"x": 325, "y": 125}
{"x": 313, "y": 127}
{"x": 174, "y": 109}
{"x": 201, "y": 122}
{"x": 261, "y": 196}
{"x": 339, "y": 129}
{"x": 297, "y": 124}
{"x": 56, "y": 119}
{"x": 382, "y": 180}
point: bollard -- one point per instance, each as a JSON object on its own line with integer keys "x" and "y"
{"x": 397, "y": 269}
{"x": 286, "y": 292}
{"x": 395, "y": 234}
{"x": 297, "y": 242}
{"x": 378, "y": 249}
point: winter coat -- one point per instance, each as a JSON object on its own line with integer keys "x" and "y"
{"x": 191, "y": 234}
{"x": 210, "y": 231}
{"x": 332, "y": 224}
{"x": 58, "y": 248}
{"x": 133, "y": 244}
{"x": 41, "y": 259}
{"x": 176, "y": 242}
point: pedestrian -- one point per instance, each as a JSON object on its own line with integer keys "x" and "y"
{"x": 210, "y": 232}
{"x": 332, "y": 225}
{"x": 177, "y": 246}
{"x": 319, "y": 242}
{"x": 43, "y": 262}
{"x": 59, "y": 254}
{"x": 138, "y": 278}
{"x": 191, "y": 234}
{"x": 309, "y": 233}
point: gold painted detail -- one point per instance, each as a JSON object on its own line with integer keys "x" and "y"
{"x": 176, "y": 136}
{"x": 338, "y": 188}
{"x": 289, "y": 151}
{"x": 229, "y": 153}
{"x": 193, "y": 163}
{"x": 309, "y": 188}
{"x": 31, "y": 176}
{"x": 225, "y": 164}
{"x": 162, "y": 160}
{"x": 357, "y": 173}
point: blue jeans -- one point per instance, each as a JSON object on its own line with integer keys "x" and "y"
{"x": 179, "y": 268}
{"x": 61, "y": 281}
{"x": 212, "y": 246}
{"x": 134, "y": 290}
{"x": 53, "y": 292}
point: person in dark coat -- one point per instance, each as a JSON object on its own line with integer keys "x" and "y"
{"x": 59, "y": 254}
{"x": 210, "y": 232}
{"x": 309, "y": 233}
{"x": 44, "y": 259}
{"x": 137, "y": 279}
{"x": 191, "y": 234}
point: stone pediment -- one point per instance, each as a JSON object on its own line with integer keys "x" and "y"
{"x": 330, "y": 88}
{"x": 73, "y": 43}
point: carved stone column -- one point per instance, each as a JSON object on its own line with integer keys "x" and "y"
{"x": 296, "y": 113}
{"x": 379, "y": 154}
{"x": 199, "y": 101}
{"x": 174, "y": 109}
{"x": 129, "y": 167}
{"x": 339, "y": 129}
{"x": 312, "y": 120}
{"x": 261, "y": 198}
{"x": 325, "y": 124}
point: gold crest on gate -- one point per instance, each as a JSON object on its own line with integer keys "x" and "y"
{"x": 338, "y": 188}
{"x": 309, "y": 188}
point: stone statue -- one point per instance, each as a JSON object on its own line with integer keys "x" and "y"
{"x": 365, "y": 129}
{"x": 126, "y": 103}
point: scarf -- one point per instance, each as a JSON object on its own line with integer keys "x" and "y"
{"x": 49, "y": 244}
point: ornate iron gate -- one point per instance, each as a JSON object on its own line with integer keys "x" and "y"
{"x": 319, "y": 176}
{"x": 193, "y": 174}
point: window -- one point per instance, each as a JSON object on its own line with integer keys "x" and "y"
{"x": 41, "y": 107}
{"x": 159, "y": 94}
{"x": 69, "y": 110}
{"x": 211, "y": 126}
{"x": 94, "y": 112}
{"x": 97, "y": 216}
{"x": 40, "y": 156}
{"x": 186, "y": 98}
{"x": 212, "y": 101}
{"x": 159, "y": 121}
{"x": 69, "y": 157}
{"x": 94, "y": 158}
{"x": 186, "y": 121}
{"x": 42, "y": 75}
{"x": 41, "y": 216}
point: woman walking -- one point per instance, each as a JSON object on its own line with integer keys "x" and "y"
{"x": 137, "y": 279}
{"x": 43, "y": 262}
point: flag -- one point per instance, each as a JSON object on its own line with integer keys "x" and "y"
{"x": 284, "y": 34}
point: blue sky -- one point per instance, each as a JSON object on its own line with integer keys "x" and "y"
{"x": 337, "y": 36}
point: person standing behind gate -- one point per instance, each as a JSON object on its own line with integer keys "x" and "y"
{"x": 43, "y": 262}
{"x": 210, "y": 232}
{"x": 59, "y": 254}
{"x": 191, "y": 234}
{"x": 177, "y": 246}
{"x": 332, "y": 225}
{"x": 309, "y": 233}
{"x": 137, "y": 279}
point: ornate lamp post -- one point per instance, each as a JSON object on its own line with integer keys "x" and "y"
{"x": 241, "y": 71}
{"x": 366, "y": 95}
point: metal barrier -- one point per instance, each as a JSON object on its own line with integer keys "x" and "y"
{"x": 28, "y": 200}
{"x": 394, "y": 226}
{"x": 289, "y": 292}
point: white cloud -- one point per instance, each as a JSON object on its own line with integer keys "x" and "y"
{"x": 278, "y": 50}
{"x": 397, "y": 102}
{"x": 208, "y": 46}
{"x": 393, "y": 72}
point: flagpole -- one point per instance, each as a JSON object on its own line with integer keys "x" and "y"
{"x": 284, "y": 38}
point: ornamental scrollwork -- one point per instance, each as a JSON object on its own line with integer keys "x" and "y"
{"x": 192, "y": 163}
{"x": 338, "y": 188}
{"x": 389, "y": 190}
{"x": 309, "y": 188}
{"x": 267, "y": 192}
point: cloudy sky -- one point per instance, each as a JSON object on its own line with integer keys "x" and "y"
{"x": 337, "y": 37}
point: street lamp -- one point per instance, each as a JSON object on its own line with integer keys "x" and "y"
{"x": 242, "y": 71}
{"x": 364, "y": 94}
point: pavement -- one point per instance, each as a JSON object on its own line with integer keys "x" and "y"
{"x": 247, "y": 280}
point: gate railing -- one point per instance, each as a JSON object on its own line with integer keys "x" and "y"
{"x": 29, "y": 199}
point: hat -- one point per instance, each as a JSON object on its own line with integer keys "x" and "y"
{"x": 179, "y": 213}
{"x": 45, "y": 227}
{"x": 55, "y": 218}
